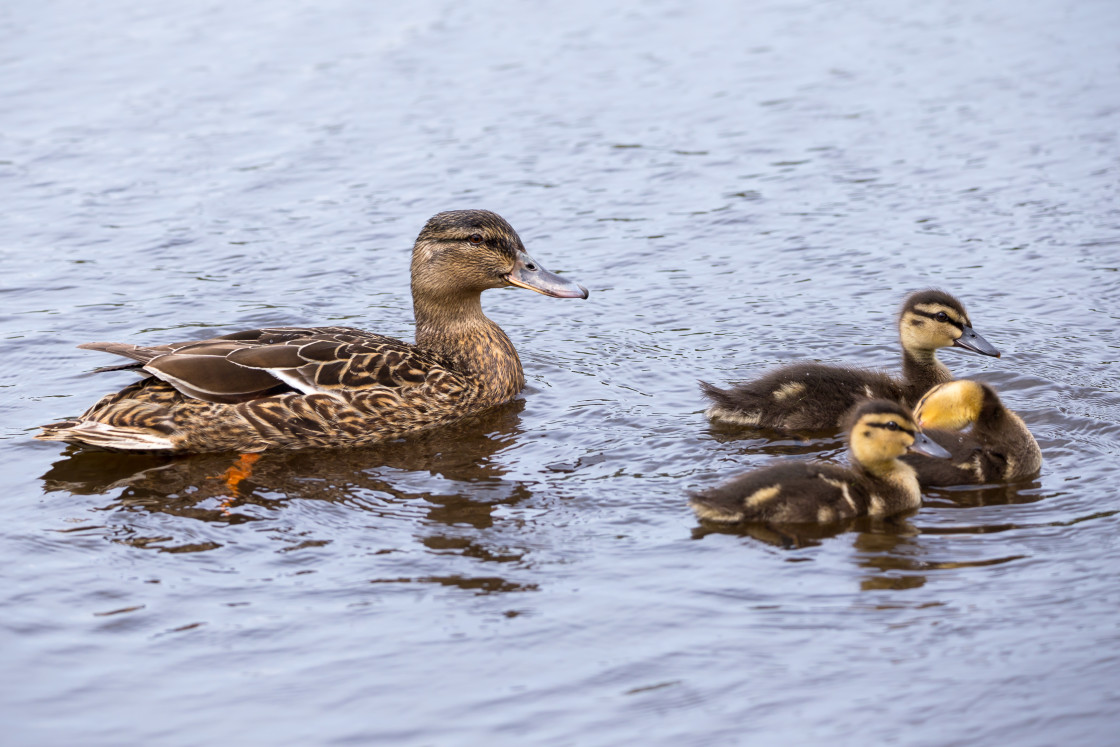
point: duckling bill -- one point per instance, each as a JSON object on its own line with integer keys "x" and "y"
{"x": 876, "y": 484}
{"x": 299, "y": 387}
{"x": 998, "y": 447}
{"x": 811, "y": 396}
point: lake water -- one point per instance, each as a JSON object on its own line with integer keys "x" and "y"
{"x": 739, "y": 185}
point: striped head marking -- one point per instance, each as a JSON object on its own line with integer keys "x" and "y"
{"x": 882, "y": 431}
{"x": 933, "y": 319}
{"x": 464, "y": 250}
{"x": 930, "y": 320}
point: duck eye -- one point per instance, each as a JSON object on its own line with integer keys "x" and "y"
{"x": 892, "y": 426}
{"x": 942, "y": 316}
{"x": 475, "y": 238}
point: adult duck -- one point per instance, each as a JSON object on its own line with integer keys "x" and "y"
{"x": 299, "y": 387}
{"x": 812, "y": 396}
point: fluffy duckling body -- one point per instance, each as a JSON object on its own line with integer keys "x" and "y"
{"x": 297, "y": 387}
{"x": 811, "y": 396}
{"x": 998, "y": 448}
{"x": 877, "y": 483}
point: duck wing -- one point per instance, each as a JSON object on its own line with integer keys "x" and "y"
{"x": 257, "y": 363}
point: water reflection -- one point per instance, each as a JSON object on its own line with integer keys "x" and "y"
{"x": 1008, "y": 494}
{"x": 373, "y": 479}
{"x": 462, "y": 452}
{"x": 890, "y": 550}
{"x": 875, "y": 534}
{"x": 774, "y": 443}
{"x": 477, "y": 584}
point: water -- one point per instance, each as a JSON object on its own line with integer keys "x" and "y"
{"x": 739, "y": 185}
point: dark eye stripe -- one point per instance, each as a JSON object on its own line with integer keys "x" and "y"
{"x": 886, "y": 426}
{"x": 928, "y": 315}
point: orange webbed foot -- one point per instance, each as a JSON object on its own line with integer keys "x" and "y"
{"x": 237, "y": 473}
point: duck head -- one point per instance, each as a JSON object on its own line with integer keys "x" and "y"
{"x": 464, "y": 252}
{"x": 882, "y": 431}
{"x": 933, "y": 319}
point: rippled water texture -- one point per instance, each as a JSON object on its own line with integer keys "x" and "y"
{"x": 739, "y": 184}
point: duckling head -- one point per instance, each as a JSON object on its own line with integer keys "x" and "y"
{"x": 953, "y": 405}
{"x": 881, "y": 431}
{"x": 933, "y": 319}
{"x": 464, "y": 252}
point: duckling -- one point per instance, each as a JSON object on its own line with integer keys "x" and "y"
{"x": 877, "y": 483}
{"x": 297, "y": 387}
{"x": 811, "y": 396}
{"x": 998, "y": 448}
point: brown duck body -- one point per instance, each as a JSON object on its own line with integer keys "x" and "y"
{"x": 363, "y": 388}
{"x": 812, "y": 396}
{"x": 997, "y": 448}
{"x": 877, "y": 483}
{"x": 296, "y": 387}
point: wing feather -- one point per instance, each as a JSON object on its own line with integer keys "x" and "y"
{"x": 257, "y": 363}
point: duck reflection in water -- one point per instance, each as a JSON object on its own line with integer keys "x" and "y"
{"x": 375, "y": 479}
{"x": 461, "y": 452}
{"x": 796, "y": 536}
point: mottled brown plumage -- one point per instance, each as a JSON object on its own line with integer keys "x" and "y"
{"x": 298, "y": 387}
{"x": 997, "y": 448}
{"x": 877, "y": 483}
{"x": 811, "y": 396}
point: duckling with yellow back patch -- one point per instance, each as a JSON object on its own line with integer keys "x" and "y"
{"x": 812, "y": 396}
{"x": 876, "y": 484}
{"x": 998, "y": 447}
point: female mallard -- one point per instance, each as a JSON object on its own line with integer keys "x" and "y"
{"x": 296, "y": 387}
{"x": 877, "y": 483}
{"x": 998, "y": 448}
{"x": 811, "y": 396}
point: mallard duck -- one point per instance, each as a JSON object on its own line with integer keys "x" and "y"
{"x": 877, "y": 483}
{"x": 998, "y": 448}
{"x": 297, "y": 387}
{"x": 811, "y": 396}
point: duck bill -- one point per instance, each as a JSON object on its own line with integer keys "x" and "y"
{"x": 528, "y": 273}
{"x": 969, "y": 340}
{"x": 923, "y": 444}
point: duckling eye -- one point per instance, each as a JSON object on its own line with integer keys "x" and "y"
{"x": 475, "y": 238}
{"x": 891, "y": 425}
{"x": 941, "y": 316}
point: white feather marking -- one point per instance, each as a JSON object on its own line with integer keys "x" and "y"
{"x": 762, "y": 495}
{"x": 845, "y": 492}
{"x": 714, "y": 513}
{"x": 174, "y": 381}
{"x": 791, "y": 389}
{"x": 878, "y": 505}
{"x": 300, "y": 384}
{"x": 719, "y": 414}
{"x": 289, "y": 377}
{"x": 118, "y": 437}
